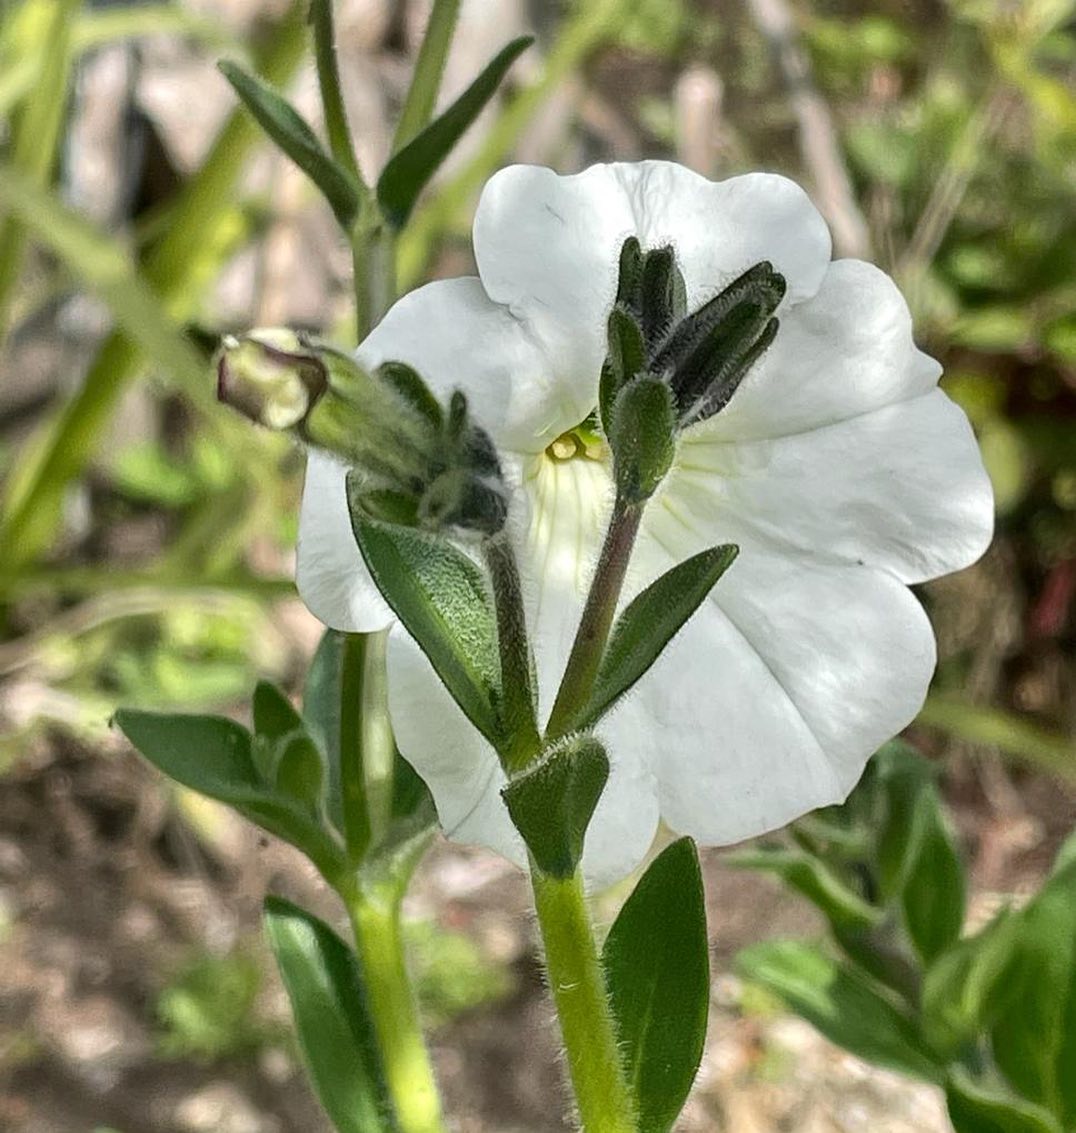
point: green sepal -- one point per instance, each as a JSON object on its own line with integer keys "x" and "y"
{"x": 408, "y": 172}
{"x": 841, "y": 906}
{"x": 626, "y": 359}
{"x": 976, "y": 1107}
{"x": 842, "y": 1004}
{"x": 649, "y": 623}
{"x": 657, "y": 969}
{"x": 287, "y": 128}
{"x": 642, "y": 435}
{"x": 411, "y": 387}
{"x": 662, "y": 296}
{"x": 443, "y": 600}
{"x": 553, "y": 801}
{"x": 213, "y": 755}
{"x": 328, "y": 999}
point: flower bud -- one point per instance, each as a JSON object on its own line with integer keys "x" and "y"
{"x": 268, "y": 377}
{"x": 416, "y": 464}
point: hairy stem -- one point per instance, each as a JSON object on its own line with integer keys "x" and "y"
{"x": 578, "y": 985}
{"x": 597, "y": 619}
{"x": 375, "y": 920}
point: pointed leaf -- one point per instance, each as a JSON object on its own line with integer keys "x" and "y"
{"x": 328, "y": 1000}
{"x": 656, "y": 961}
{"x": 212, "y": 755}
{"x": 650, "y": 622}
{"x": 963, "y": 993}
{"x": 274, "y": 714}
{"x": 287, "y": 128}
{"x": 553, "y": 801}
{"x": 442, "y": 599}
{"x": 975, "y": 1108}
{"x": 842, "y": 1004}
{"x": 1035, "y": 1043}
{"x": 934, "y": 893}
{"x": 408, "y": 172}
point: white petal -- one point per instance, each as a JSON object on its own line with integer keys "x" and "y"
{"x": 721, "y": 228}
{"x": 548, "y": 246}
{"x": 330, "y": 575}
{"x": 844, "y": 352}
{"x": 771, "y": 699}
{"x": 454, "y": 761}
{"x": 902, "y": 488}
{"x": 456, "y": 338}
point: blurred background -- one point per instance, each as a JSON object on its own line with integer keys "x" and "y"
{"x": 146, "y": 535}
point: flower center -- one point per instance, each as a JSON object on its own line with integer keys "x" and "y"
{"x": 582, "y": 442}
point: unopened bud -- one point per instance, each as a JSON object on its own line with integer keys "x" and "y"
{"x": 270, "y": 377}
{"x": 413, "y": 462}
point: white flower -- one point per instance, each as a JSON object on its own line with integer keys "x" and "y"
{"x": 839, "y": 468}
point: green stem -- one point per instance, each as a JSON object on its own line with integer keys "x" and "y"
{"x": 332, "y": 101}
{"x": 375, "y": 919}
{"x": 586, "y": 1021}
{"x": 597, "y": 619}
{"x": 519, "y": 702}
{"x": 430, "y": 65}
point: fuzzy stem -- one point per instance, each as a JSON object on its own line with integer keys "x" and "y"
{"x": 375, "y": 920}
{"x": 597, "y": 619}
{"x": 586, "y": 1022}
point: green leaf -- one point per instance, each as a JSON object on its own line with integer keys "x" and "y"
{"x": 656, "y": 961}
{"x": 553, "y": 801}
{"x": 649, "y": 623}
{"x": 213, "y": 755}
{"x": 274, "y": 714}
{"x": 918, "y": 859}
{"x": 843, "y": 1005}
{"x": 286, "y": 127}
{"x": 842, "y": 907}
{"x": 299, "y": 771}
{"x": 976, "y": 1108}
{"x": 1035, "y": 1043}
{"x": 408, "y": 172}
{"x": 934, "y": 894}
{"x": 443, "y": 600}
{"x": 418, "y": 106}
{"x": 962, "y": 992}
{"x": 328, "y": 1001}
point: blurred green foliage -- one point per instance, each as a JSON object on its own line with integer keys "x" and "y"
{"x": 208, "y": 1012}
{"x": 452, "y": 975}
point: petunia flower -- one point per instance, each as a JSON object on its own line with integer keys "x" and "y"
{"x": 839, "y": 468}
